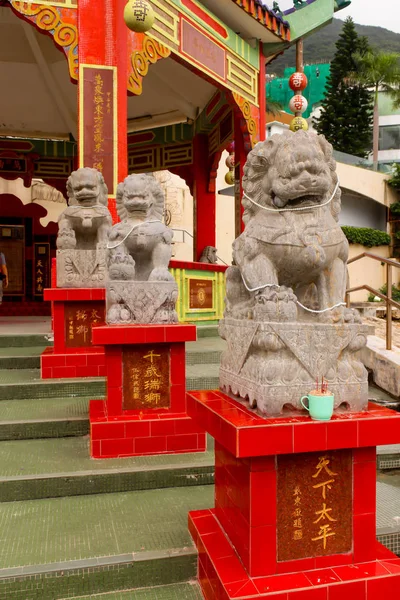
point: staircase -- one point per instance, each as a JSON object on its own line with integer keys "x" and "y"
{"x": 72, "y": 527}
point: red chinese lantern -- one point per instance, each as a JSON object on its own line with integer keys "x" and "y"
{"x": 298, "y": 82}
{"x": 298, "y": 104}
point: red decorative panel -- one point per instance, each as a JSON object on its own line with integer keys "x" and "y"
{"x": 202, "y": 49}
{"x": 201, "y": 294}
{"x": 146, "y": 377}
{"x": 79, "y": 318}
{"x": 314, "y": 500}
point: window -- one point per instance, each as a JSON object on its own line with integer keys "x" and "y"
{"x": 389, "y": 137}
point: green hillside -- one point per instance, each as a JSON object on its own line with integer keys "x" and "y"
{"x": 320, "y": 47}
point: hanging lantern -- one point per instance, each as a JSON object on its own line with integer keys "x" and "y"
{"x": 230, "y": 178}
{"x": 298, "y": 82}
{"x": 230, "y": 161}
{"x": 298, "y": 104}
{"x": 139, "y": 16}
{"x": 298, "y": 123}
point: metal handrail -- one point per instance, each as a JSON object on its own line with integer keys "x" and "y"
{"x": 191, "y": 235}
{"x": 389, "y": 301}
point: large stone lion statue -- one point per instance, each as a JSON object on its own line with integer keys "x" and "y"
{"x": 140, "y": 289}
{"x": 285, "y": 321}
{"x": 292, "y": 243}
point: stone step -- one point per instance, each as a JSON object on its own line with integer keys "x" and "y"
{"x": 44, "y": 418}
{"x": 205, "y": 350}
{"x": 176, "y": 591}
{"x": 53, "y": 468}
{"x": 19, "y": 340}
{"x": 83, "y": 545}
{"x": 22, "y": 384}
{"x": 26, "y": 384}
{"x": 207, "y": 331}
{"x": 388, "y": 457}
{"x": 21, "y": 357}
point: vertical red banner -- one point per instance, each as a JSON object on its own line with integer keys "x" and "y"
{"x": 98, "y": 135}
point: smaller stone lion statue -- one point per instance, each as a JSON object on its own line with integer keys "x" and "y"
{"x": 140, "y": 245}
{"x": 209, "y": 255}
{"x": 141, "y": 288}
{"x": 83, "y": 231}
{"x": 86, "y": 223}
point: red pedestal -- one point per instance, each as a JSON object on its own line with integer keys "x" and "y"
{"x": 295, "y": 505}
{"x": 145, "y": 410}
{"x": 75, "y": 312}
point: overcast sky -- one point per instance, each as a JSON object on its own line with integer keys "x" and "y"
{"x": 382, "y": 13}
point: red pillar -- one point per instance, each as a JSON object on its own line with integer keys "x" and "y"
{"x": 262, "y": 92}
{"x": 240, "y": 159}
{"x": 103, "y": 90}
{"x": 204, "y": 201}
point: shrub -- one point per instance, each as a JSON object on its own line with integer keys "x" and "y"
{"x": 395, "y": 208}
{"x": 394, "y": 181}
{"x": 383, "y": 290}
{"x": 366, "y": 236}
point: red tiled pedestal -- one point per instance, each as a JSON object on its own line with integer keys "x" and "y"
{"x": 75, "y": 312}
{"x": 145, "y": 410}
{"x": 247, "y": 543}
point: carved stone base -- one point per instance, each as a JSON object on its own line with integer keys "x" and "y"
{"x": 81, "y": 268}
{"x": 272, "y": 365}
{"x": 141, "y": 302}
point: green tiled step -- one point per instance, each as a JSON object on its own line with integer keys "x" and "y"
{"x": 207, "y": 331}
{"x": 83, "y": 545}
{"x": 26, "y": 384}
{"x": 44, "y": 418}
{"x": 204, "y": 351}
{"x": 51, "y": 468}
{"x": 21, "y": 358}
{"x": 177, "y": 591}
{"x": 24, "y": 341}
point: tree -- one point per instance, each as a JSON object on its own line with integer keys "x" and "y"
{"x": 273, "y": 107}
{"x": 346, "y": 116}
{"x": 380, "y": 71}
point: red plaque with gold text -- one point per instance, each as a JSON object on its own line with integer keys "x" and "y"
{"x": 80, "y": 317}
{"x": 98, "y": 123}
{"x": 314, "y": 503}
{"x": 203, "y": 49}
{"x": 201, "y": 294}
{"x": 146, "y": 377}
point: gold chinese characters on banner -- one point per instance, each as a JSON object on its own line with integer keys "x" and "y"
{"x": 314, "y": 500}
{"x": 146, "y": 378}
{"x": 80, "y": 317}
{"x": 41, "y": 268}
{"x": 98, "y": 121}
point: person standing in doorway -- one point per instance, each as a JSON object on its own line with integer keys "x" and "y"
{"x": 3, "y": 275}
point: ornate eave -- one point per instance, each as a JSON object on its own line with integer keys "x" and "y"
{"x": 266, "y": 16}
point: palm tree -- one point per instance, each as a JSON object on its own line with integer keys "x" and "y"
{"x": 273, "y": 107}
{"x": 381, "y": 72}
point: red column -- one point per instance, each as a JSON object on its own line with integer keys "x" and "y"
{"x": 262, "y": 93}
{"x": 240, "y": 159}
{"x": 103, "y": 43}
{"x": 204, "y": 204}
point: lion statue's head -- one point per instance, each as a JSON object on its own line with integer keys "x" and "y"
{"x": 290, "y": 170}
{"x": 140, "y": 194}
{"x": 86, "y": 187}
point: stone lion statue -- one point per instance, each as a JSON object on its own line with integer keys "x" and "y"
{"x": 209, "y": 255}
{"x": 297, "y": 254}
{"x": 285, "y": 320}
{"x": 83, "y": 230}
{"x": 86, "y": 222}
{"x": 139, "y": 250}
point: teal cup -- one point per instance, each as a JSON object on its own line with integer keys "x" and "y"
{"x": 319, "y": 407}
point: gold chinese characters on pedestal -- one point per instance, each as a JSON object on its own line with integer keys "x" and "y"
{"x": 146, "y": 378}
